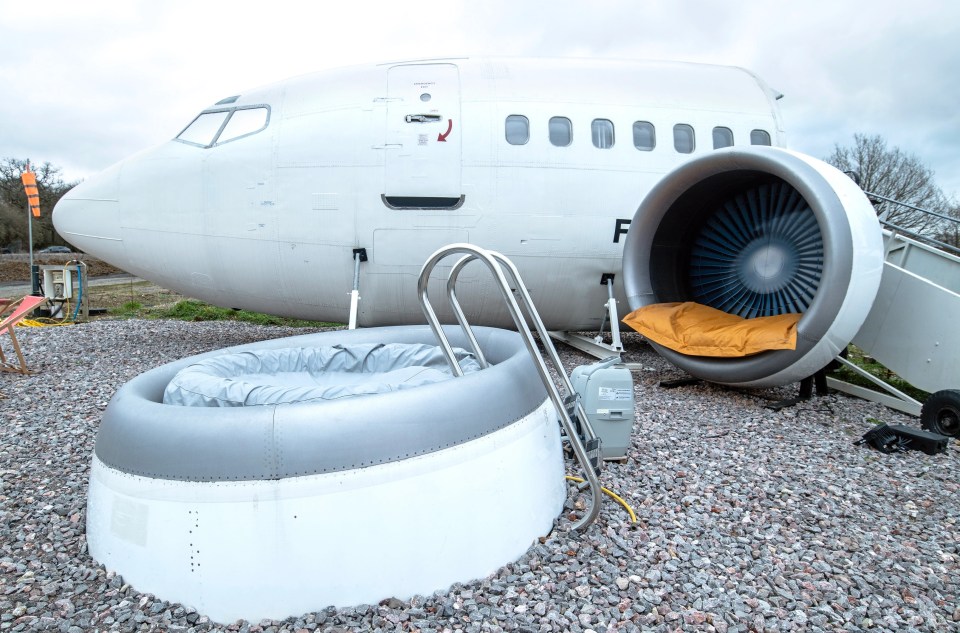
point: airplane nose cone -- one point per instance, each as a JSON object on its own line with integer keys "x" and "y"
{"x": 88, "y": 216}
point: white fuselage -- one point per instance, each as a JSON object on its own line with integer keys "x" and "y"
{"x": 544, "y": 161}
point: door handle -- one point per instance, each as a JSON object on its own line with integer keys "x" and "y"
{"x": 423, "y": 118}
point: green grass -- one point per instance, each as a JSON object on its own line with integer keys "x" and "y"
{"x": 856, "y": 356}
{"x": 130, "y": 309}
{"x": 193, "y": 310}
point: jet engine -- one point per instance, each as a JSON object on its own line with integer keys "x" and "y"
{"x": 758, "y": 232}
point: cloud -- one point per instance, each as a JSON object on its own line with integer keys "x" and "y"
{"x": 96, "y": 81}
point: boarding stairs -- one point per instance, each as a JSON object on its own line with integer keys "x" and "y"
{"x": 583, "y": 440}
{"x": 911, "y": 328}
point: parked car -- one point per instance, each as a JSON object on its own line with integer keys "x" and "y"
{"x": 55, "y": 249}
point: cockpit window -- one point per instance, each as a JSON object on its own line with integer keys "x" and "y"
{"x": 204, "y": 128}
{"x": 243, "y": 122}
{"x": 220, "y": 126}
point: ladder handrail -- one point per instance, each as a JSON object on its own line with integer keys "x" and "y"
{"x": 496, "y": 263}
{"x": 458, "y": 311}
{"x": 899, "y": 229}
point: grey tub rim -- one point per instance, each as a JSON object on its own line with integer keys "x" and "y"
{"x": 139, "y": 435}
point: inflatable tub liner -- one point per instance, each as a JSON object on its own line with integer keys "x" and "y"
{"x": 306, "y": 374}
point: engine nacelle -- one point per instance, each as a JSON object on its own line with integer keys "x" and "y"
{"x": 758, "y": 232}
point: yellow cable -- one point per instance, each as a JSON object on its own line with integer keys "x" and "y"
{"x": 615, "y": 496}
{"x": 43, "y": 322}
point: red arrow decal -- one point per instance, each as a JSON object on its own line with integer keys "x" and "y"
{"x": 443, "y": 137}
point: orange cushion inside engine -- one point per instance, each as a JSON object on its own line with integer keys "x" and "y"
{"x": 698, "y": 330}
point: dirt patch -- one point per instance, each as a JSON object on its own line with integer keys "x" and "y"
{"x": 14, "y": 268}
{"x": 147, "y": 294}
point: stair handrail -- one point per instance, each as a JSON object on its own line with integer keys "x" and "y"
{"x": 904, "y": 231}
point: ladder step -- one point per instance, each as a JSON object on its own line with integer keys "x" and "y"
{"x": 593, "y": 453}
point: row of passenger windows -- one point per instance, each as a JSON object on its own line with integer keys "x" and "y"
{"x": 560, "y": 132}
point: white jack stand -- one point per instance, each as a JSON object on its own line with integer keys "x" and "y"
{"x": 359, "y": 255}
{"x": 596, "y": 346}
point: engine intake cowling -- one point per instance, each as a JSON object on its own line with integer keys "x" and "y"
{"x": 758, "y": 232}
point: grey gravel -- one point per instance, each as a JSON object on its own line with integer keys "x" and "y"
{"x": 747, "y": 519}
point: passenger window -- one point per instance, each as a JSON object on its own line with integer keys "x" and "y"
{"x": 517, "y": 129}
{"x": 644, "y": 135}
{"x": 759, "y": 137}
{"x": 561, "y": 131}
{"x": 602, "y": 132}
{"x": 683, "y": 138}
{"x": 722, "y": 137}
{"x": 243, "y": 122}
{"x": 204, "y": 128}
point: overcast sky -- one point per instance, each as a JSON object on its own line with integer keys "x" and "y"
{"x": 85, "y": 84}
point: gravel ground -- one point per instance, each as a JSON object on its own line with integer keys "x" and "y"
{"x": 747, "y": 519}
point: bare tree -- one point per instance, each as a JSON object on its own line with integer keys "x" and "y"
{"x": 13, "y": 225}
{"x": 13, "y": 201}
{"x": 949, "y": 232}
{"x": 892, "y": 173}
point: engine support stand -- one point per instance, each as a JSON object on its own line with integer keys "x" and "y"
{"x": 819, "y": 379}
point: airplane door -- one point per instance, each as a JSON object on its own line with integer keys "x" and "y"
{"x": 422, "y": 163}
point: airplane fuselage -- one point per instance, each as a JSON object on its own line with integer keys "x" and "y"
{"x": 262, "y": 201}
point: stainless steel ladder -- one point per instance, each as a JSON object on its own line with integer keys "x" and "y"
{"x": 567, "y": 408}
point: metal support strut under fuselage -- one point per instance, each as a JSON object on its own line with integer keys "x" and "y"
{"x": 595, "y": 346}
{"x": 359, "y": 255}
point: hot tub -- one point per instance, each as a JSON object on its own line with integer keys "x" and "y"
{"x": 272, "y": 510}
